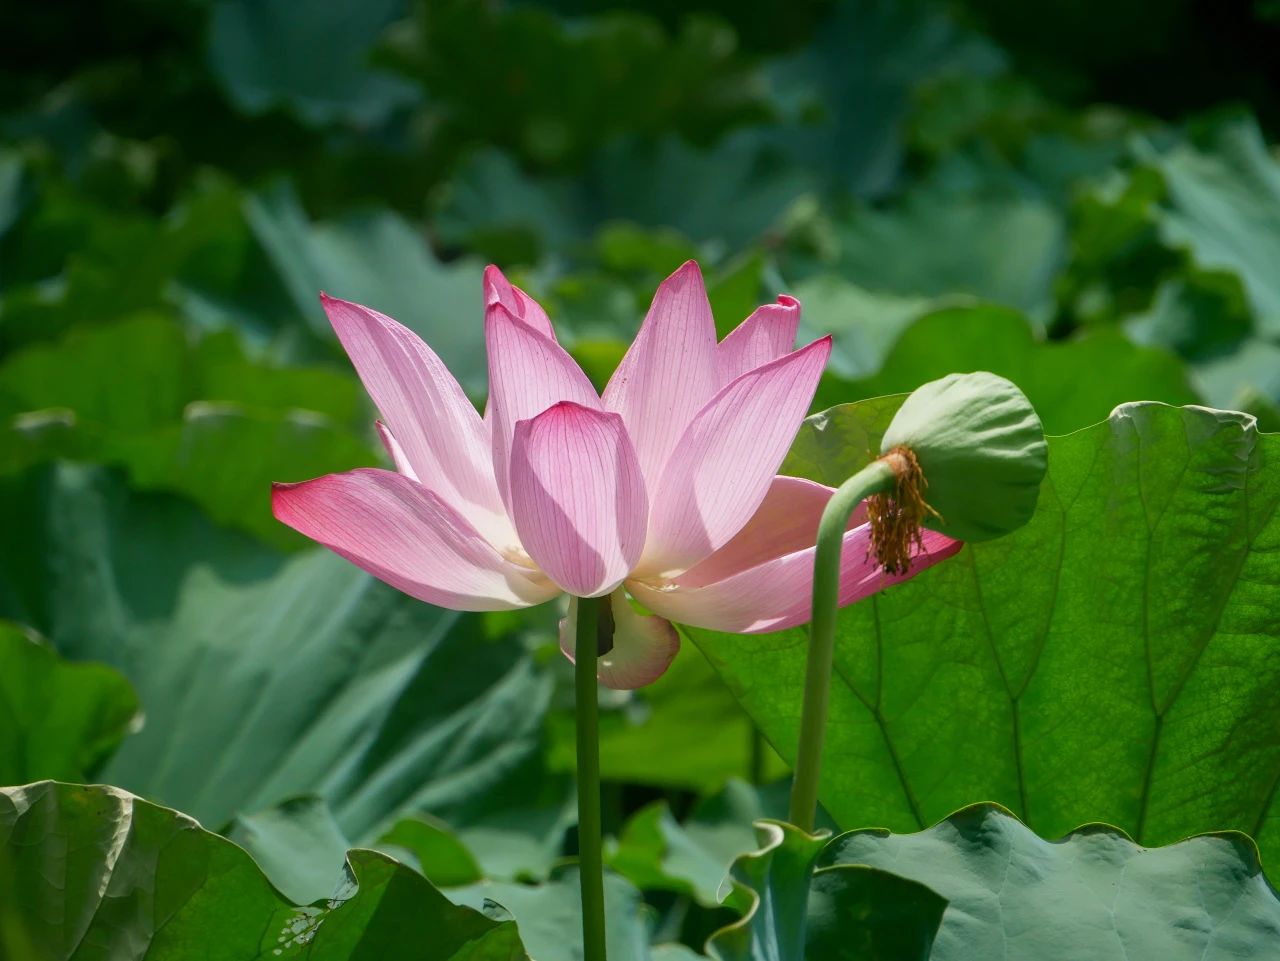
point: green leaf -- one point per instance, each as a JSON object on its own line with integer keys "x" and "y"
{"x": 378, "y": 259}
{"x": 526, "y": 92}
{"x": 1223, "y": 206}
{"x": 267, "y": 677}
{"x": 1204, "y": 318}
{"x": 851, "y": 912}
{"x": 74, "y": 260}
{"x": 865, "y": 325}
{"x": 1094, "y": 894}
{"x": 683, "y": 731}
{"x": 198, "y": 418}
{"x": 298, "y": 845}
{"x": 1071, "y": 383}
{"x": 858, "y": 912}
{"x": 549, "y": 915}
{"x": 11, "y": 184}
{"x": 142, "y": 879}
{"x": 657, "y": 853}
{"x": 1197, "y": 314}
{"x": 57, "y": 720}
{"x": 439, "y": 854}
{"x": 942, "y": 238}
{"x": 849, "y": 93}
{"x": 301, "y": 847}
{"x": 772, "y": 892}
{"x": 1112, "y": 659}
{"x": 726, "y": 195}
{"x": 223, "y": 457}
{"x": 87, "y": 370}
{"x": 693, "y": 858}
{"x": 309, "y": 56}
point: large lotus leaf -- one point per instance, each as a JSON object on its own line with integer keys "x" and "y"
{"x": 855, "y": 913}
{"x": 308, "y": 56}
{"x": 376, "y": 258}
{"x": 1072, "y": 383}
{"x": 57, "y": 719}
{"x": 1093, "y": 894}
{"x": 1114, "y": 659}
{"x": 298, "y": 845}
{"x": 96, "y": 872}
{"x": 265, "y": 677}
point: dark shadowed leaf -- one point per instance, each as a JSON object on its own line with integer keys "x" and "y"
{"x": 308, "y": 56}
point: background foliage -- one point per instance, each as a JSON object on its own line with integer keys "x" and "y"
{"x": 1086, "y": 201}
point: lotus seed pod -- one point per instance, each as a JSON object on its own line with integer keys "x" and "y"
{"x": 980, "y": 447}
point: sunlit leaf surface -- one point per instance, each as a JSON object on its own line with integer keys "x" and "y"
{"x": 1114, "y": 659}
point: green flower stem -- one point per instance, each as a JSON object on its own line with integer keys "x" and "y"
{"x": 590, "y": 861}
{"x": 876, "y": 477}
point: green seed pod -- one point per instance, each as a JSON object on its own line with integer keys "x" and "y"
{"x": 981, "y": 450}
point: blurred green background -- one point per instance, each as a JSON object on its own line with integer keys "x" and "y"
{"x": 1084, "y": 198}
{"x": 1084, "y": 201}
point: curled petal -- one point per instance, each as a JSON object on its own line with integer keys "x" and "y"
{"x": 528, "y": 373}
{"x": 499, "y": 290}
{"x": 643, "y": 645}
{"x": 440, "y": 435}
{"x": 777, "y": 593}
{"x": 408, "y": 536}
{"x": 769, "y": 333}
{"x": 577, "y": 497}
{"x": 721, "y": 469}
{"x": 395, "y": 451}
{"x": 669, "y": 372}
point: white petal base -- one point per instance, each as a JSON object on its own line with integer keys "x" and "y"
{"x": 643, "y": 645}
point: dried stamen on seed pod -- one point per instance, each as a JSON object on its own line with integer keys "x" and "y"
{"x": 896, "y": 515}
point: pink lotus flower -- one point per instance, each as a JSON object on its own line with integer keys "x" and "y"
{"x": 665, "y": 486}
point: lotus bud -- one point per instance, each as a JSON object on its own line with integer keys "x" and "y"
{"x": 968, "y": 453}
